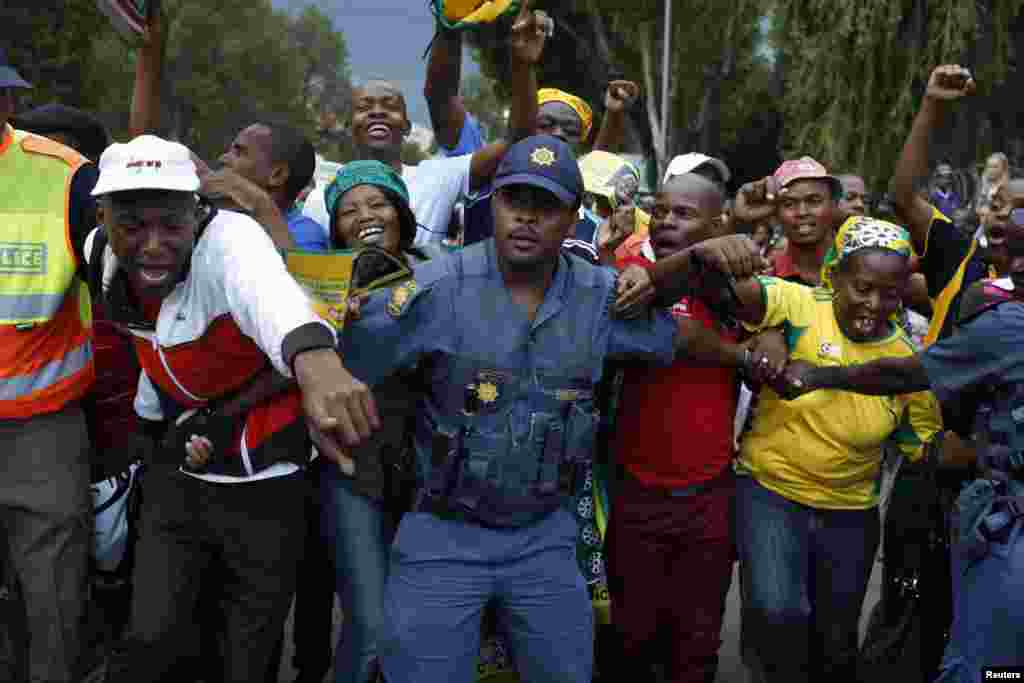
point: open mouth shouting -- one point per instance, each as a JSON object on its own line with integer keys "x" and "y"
{"x": 378, "y": 131}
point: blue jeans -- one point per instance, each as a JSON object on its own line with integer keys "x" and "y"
{"x": 804, "y": 572}
{"x": 360, "y": 531}
{"x": 444, "y": 572}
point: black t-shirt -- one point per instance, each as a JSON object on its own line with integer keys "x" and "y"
{"x": 952, "y": 262}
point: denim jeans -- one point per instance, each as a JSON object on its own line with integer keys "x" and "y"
{"x": 804, "y": 573}
{"x": 443, "y": 574}
{"x": 359, "y": 531}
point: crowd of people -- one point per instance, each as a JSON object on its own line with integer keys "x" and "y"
{"x": 538, "y": 451}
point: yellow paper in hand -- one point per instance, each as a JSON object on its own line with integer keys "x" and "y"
{"x": 327, "y": 278}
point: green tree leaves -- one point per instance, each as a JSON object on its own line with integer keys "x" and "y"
{"x": 226, "y": 63}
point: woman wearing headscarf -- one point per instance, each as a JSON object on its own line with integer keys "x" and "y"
{"x": 368, "y": 205}
{"x": 807, "y": 523}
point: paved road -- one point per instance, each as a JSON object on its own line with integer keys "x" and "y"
{"x": 731, "y": 669}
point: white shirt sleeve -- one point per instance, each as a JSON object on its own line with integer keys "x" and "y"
{"x": 435, "y": 186}
{"x": 147, "y": 403}
{"x": 316, "y": 207}
{"x": 265, "y": 301}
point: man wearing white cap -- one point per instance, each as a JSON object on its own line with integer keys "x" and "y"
{"x": 46, "y": 366}
{"x": 213, "y": 313}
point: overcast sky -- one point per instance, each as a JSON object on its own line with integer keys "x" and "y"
{"x": 386, "y": 39}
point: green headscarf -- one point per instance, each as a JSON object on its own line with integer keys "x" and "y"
{"x": 380, "y": 175}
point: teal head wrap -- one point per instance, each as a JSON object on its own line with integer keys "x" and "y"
{"x": 380, "y": 175}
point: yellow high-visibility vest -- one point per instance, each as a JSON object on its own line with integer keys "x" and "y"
{"x": 46, "y": 355}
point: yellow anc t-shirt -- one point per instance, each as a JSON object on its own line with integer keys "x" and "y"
{"x": 824, "y": 449}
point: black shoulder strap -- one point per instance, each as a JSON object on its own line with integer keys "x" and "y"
{"x": 94, "y": 269}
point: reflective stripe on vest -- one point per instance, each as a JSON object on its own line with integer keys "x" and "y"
{"x": 73, "y": 362}
{"x": 46, "y": 358}
{"x": 21, "y": 307}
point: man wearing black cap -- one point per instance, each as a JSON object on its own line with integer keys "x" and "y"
{"x": 46, "y": 366}
{"x": 511, "y": 335}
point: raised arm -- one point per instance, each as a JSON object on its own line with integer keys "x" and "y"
{"x": 526, "y": 44}
{"x": 444, "y": 73}
{"x": 145, "y": 112}
{"x": 618, "y": 99}
{"x": 946, "y": 84}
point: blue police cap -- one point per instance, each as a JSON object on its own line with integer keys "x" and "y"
{"x": 542, "y": 161}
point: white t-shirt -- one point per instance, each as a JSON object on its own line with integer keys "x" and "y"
{"x": 435, "y": 185}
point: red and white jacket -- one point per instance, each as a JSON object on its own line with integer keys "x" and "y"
{"x": 237, "y": 311}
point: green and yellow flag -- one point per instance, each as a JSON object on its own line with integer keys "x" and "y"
{"x": 462, "y": 14}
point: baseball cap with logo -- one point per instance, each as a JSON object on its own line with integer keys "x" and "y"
{"x": 688, "y": 163}
{"x": 146, "y": 163}
{"x": 542, "y": 161}
{"x": 805, "y": 168}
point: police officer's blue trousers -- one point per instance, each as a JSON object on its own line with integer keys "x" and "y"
{"x": 988, "y": 623}
{"x": 444, "y": 572}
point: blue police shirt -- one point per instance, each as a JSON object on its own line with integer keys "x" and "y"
{"x": 306, "y": 232}
{"x": 428, "y": 322}
{"x": 986, "y": 352}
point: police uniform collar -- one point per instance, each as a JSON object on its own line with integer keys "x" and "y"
{"x": 554, "y": 297}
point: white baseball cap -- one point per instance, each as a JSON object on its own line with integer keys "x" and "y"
{"x": 688, "y": 163}
{"x": 146, "y": 163}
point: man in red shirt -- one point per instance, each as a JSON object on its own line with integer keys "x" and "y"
{"x": 669, "y": 541}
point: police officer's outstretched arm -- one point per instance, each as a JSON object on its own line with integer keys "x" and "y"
{"x": 986, "y": 351}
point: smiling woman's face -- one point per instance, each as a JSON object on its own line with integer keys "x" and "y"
{"x": 365, "y": 216}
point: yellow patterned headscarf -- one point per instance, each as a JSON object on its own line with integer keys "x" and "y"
{"x": 586, "y": 114}
{"x": 862, "y": 232}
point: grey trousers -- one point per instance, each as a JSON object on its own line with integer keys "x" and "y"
{"x": 46, "y": 521}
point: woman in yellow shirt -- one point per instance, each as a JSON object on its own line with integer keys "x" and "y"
{"x": 807, "y": 524}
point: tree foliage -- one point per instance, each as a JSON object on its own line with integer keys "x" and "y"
{"x": 483, "y": 99}
{"x": 856, "y": 70}
{"x": 227, "y": 62}
{"x": 717, "y": 59}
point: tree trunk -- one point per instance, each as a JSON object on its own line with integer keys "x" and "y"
{"x": 650, "y": 93}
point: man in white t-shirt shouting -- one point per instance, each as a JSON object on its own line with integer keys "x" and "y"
{"x": 380, "y": 124}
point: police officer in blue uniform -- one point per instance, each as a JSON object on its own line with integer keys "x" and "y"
{"x": 510, "y": 336}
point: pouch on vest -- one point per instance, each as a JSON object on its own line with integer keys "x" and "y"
{"x": 550, "y": 443}
{"x": 581, "y": 432}
{"x": 484, "y": 465}
{"x": 445, "y": 461}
